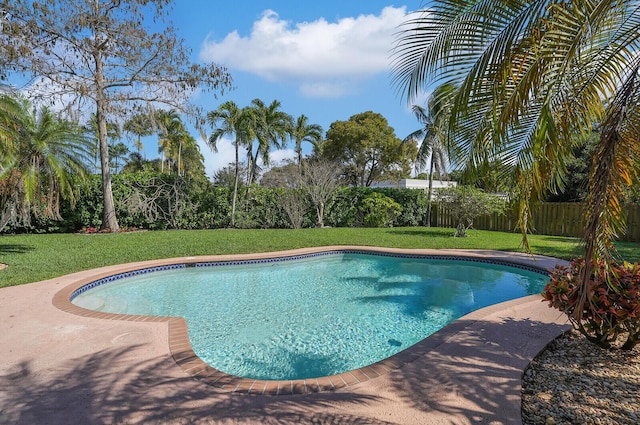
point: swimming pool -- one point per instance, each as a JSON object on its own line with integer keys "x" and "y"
{"x": 378, "y": 305}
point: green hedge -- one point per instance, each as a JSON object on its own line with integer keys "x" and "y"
{"x": 348, "y": 210}
{"x": 148, "y": 200}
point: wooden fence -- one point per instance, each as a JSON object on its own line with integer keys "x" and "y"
{"x": 553, "y": 219}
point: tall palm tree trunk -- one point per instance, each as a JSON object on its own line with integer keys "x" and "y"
{"x": 235, "y": 188}
{"x": 180, "y": 159}
{"x": 429, "y": 195}
{"x": 251, "y": 173}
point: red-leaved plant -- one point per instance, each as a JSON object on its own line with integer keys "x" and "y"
{"x": 612, "y": 309}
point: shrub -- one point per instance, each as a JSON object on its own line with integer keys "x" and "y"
{"x": 413, "y": 202}
{"x": 466, "y": 203}
{"x": 262, "y": 210}
{"x": 215, "y": 207}
{"x": 344, "y": 208}
{"x": 612, "y": 308}
{"x": 380, "y": 210}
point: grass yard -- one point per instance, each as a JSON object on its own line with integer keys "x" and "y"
{"x": 38, "y": 257}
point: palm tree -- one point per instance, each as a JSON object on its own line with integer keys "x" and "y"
{"x": 531, "y": 75}
{"x": 9, "y": 106}
{"x": 229, "y": 120}
{"x": 47, "y": 158}
{"x": 10, "y": 200}
{"x": 432, "y": 137}
{"x": 135, "y": 163}
{"x": 302, "y": 131}
{"x": 271, "y": 129}
{"x": 177, "y": 145}
{"x": 170, "y": 133}
{"x": 139, "y": 125}
{"x": 191, "y": 161}
{"x": 117, "y": 152}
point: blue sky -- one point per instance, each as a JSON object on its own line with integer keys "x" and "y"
{"x": 327, "y": 60}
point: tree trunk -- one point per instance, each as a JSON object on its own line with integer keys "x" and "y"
{"x": 109, "y": 220}
{"x": 429, "y": 193}
{"x": 320, "y": 211}
{"x": 299, "y": 154}
{"x": 251, "y": 172}
{"x": 180, "y": 159}
{"x": 235, "y": 189}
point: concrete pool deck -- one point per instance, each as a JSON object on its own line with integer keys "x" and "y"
{"x": 58, "y": 367}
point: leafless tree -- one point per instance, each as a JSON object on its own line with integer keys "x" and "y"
{"x": 295, "y": 203}
{"x": 160, "y": 200}
{"x": 320, "y": 180}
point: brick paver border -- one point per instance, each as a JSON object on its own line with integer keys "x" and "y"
{"x": 185, "y": 357}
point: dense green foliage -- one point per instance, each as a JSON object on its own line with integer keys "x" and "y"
{"x": 157, "y": 201}
{"x": 368, "y": 148}
{"x": 36, "y": 257}
{"x": 380, "y": 210}
{"x": 348, "y": 210}
{"x": 576, "y": 182}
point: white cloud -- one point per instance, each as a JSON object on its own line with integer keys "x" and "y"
{"x": 226, "y": 154}
{"x": 280, "y": 156}
{"x": 214, "y": 161}
{"x": 325, "y": 89}
{"x": 320, "y": 56}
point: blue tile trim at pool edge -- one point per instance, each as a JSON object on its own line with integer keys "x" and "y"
{"x": 119, "y": 276}
{"x": 534, "y": 269}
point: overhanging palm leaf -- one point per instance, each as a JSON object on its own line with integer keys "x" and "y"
{"x": 618, "y": 156}
{"x": 532, "y": 73}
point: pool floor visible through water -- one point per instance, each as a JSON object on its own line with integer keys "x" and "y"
{"x": 314, "y": 315}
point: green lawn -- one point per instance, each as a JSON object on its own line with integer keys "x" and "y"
{"x": 37, "y": 257}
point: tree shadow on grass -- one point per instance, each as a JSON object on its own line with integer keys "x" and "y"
{"x": 629, "y": 251}
{"x": 107, "y": 388}
{"x": 439, "y": 232}
{"x": 6, "y": 248}
{"x": 474, "y": 377}
{"x": 558, "y": 246}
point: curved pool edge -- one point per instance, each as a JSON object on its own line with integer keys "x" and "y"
{"x": 184, "y": 356}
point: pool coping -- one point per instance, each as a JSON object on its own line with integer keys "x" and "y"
{"x": 184, "y": 356}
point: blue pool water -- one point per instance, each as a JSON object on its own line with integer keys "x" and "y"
{"x": 314, "y": 316}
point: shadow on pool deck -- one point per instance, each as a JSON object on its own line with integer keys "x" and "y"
{"x": 60, "y": 368}
{"x": 87, "y": 391}
{"x": 111, "y": 387}
{"x": 480, "y": 365}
